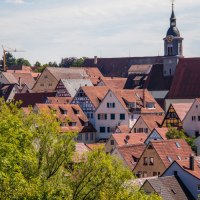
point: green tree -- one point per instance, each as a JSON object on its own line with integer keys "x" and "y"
{"x": 37, "y": 64}
{"x": 103, "y": 177}
{"x": 78, "y": 62}
{"x": 22, "y": 61}
{"x": 10, "y": 60}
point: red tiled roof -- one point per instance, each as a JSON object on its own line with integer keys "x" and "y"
{"x": 123, "y": 128}
{"x": 114, "y": 83}
{"x": 131, "y": 138}
{"x": 95, "y": 93}
{"x": 181, "y": 109}
{"x": 185, "y": 165}
{"x": 30, "y": 99}
{"x": 152, "y": 121}
{"x": 59, "y": 100}
{"x": 137, "y": 95}
{"x": 186, "y": 79}
{"x": 71, "y": 116}
{"x": 162, "y": 132}
{"x": 129, "y": 152}
{"x": 169, "y": 149}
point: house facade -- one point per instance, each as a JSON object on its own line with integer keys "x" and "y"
{"x": 191, "y": 121}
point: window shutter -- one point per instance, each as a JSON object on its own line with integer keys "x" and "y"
{"x": 98, "y": 116}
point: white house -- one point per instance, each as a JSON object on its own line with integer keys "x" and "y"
{"x": 123, "y": 107}
{"x": 191, "y": 122}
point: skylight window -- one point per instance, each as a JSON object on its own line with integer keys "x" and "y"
{"x": 169, "y": 158}
{"x": 178, "y": 145}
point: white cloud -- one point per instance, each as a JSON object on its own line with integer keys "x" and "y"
{"x": 93, "y": 27}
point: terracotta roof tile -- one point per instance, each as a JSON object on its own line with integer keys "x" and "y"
{"x": 170, "y": 150}
{"x": 114, "y": 83}
{"x": 130, "y": 138}
{"x": 131, "y": 153}
{"x": 181, "y": 109}
{"x": 59, "y": 100}
{"x": 186, "y": 80}
{"x": 95, "y": 94}
{"x": 162, "y": 132}
{"x": 123, "y": 128}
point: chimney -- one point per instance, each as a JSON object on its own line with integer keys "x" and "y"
{"x": 144, "y": 99}
{"x": 20, "y": 82}
{"x": 95, "y": 60}
{"x": 192, "y": 162}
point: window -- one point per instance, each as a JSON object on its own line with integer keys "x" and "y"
{"x": 72, "y": 123}
{"x": 135, "y": 130}
{"x": 144, "y": 174}
{"x": 198, "y": 118}
{"x": 139, "y": 174}
{"x": 79, "y": 137}
{"x": 45, "y": 76}
{"x": 86, "y": 124}
{"x": 193, "y": 118}
{"x": 197, "y": 133}
{"x": 112, "y": 142}
{"x": 102, "y": 129}
{"x": 146, "y": 130}
{"x": 91, "y": 115}
{"x": 86, "y": 136}
{"x": 178, "y": 145}
{"x": 169, "y": 158}
{"x": 112, "y": 116}
{"x": 198, "y": 187}
{"x": 91, "y": 136}
{"x": 111, "y": 105}
{"x": 108, "y": 129}
{"x": 145, "y": 161}
{"x": 122, "y": 116}
{"x": 158, "y": 173}
{"x": 102, "y": 116}
{"x": 150, "y": 105}
{"x": 151, "y": 161}
{"x": 140, "y": 130}
{"x": 154, "y": 173}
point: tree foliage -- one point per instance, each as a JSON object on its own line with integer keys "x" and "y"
{"x": 72, "y": 62}
{"x": 36, "y": 162}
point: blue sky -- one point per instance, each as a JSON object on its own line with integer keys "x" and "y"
{"x": 48, "y": 30}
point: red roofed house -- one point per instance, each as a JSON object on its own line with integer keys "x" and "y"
{"x": 123, "y": 107}
{"x": 146, "y": 123}
{"x": 129, "y": 153}
{"x": 157, "y": 134}
{"x": 72, "y": 119}
{"x": 175, "y": 115}
{"x": 122, "y": 139}
{"x": 188, "y": 171}
{"x": 159, "y": 155}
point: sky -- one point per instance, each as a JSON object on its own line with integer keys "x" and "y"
{"x": 49, "y": 30}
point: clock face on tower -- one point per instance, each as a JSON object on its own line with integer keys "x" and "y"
{"x": 170, "y": 38}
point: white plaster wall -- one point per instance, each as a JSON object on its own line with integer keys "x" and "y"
{"x": 119, "y": 109}
{"x": 191, "y": 126}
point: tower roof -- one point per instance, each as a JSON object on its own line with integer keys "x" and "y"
{"x": 173, "y": 30}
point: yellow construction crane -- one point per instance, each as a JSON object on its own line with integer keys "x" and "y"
{"x": 4, "y": 55}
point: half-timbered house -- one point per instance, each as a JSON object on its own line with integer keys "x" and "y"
{"x": 175, "y": 115}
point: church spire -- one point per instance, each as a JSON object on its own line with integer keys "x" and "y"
{"x": 173, "y": 18}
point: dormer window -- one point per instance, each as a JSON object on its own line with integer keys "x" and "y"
{"x": 150, "y": 105}
{"x": 132, "y": 105}
{"x": 86, "y": 124}
{"x": 63, "y": 111}
{"x": 72, "y": 123}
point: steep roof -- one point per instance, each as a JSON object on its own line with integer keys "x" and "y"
{"x": 114, "y": 83}
{"x": 140, "y": 69}
{"x": 186, "y": 79}
{"x": 26, "y": 78}
{"x": 169, "y": 188}
{"x": 181, "y": 109}
{"x": 73, "y": 113}
{"x": 59, "y": 100}
{"x": 10, "y": 78}
{"x": 170, "y": 150}
{"x": 73, "y": 85}
{"x": 129, "y": 138}
{"x": 156, "y": 81}
{"x": 118, "y": 67}
{"x": 152, "y": 121}
{"x": 123, "y": 128}
{"x": 137, "y": 95}
{"x": 30, "y": 99}
{"x": 6, "y": 89}
{"x": 131, "y": 153}
{"x": 185, "y": 165}
{"x": 162, "y": 132}
{"x": 95, "y": 94}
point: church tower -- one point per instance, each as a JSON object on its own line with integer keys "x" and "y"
{"x": 172, "y": 47}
